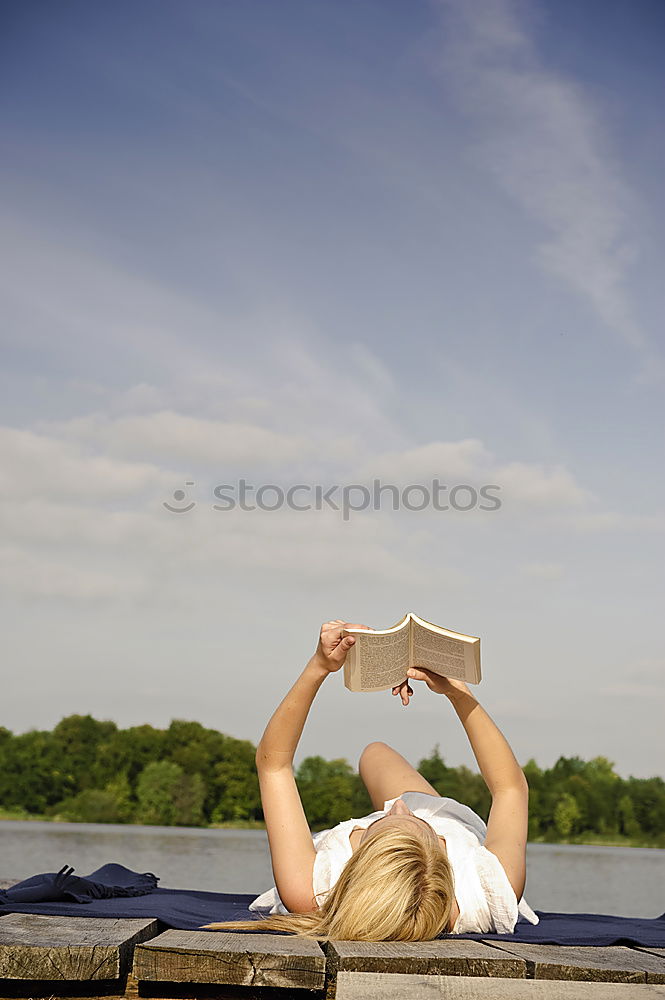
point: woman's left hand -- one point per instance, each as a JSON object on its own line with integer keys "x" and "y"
{"x": 405, "y": 691}
{"x": 332, "y": 648}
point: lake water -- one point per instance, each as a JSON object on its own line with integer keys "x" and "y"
{"x": 564, "y": 878}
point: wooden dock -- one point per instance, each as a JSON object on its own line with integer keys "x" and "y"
{"x": 53, "y": 957}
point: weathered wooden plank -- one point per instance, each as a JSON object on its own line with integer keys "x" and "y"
{"x": 234, "y": 959}
{"x": 607, "y": 965}
{"x": 35, "y": 946}
{"x": 391, "y": 986}
{"x": 655, "y": 975}
{"x": 653, "y": 965}
{"x": 655, "y": 970}
{"x": 453, "y": 958}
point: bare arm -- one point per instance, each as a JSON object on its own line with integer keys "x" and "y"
{"x": 496, "y": 760}
{"x": 291, "y": 846}
{"x": 280, "y": 739}
{"x": 508, "y": 819}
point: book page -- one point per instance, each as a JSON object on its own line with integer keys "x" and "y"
{"x": 379, "y": 661}
{"x": 438, "y": 653}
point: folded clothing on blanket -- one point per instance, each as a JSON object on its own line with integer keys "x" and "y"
{"x": 107, "y": 882}
{"x": 116, "y": 891}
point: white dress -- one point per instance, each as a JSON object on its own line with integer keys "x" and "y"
{"x": 484, "y": 895}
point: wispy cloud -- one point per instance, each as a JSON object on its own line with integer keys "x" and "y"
{"x": 542, "y": 137}
{"x": 40, "y": 465}
{"x": 185, "y": 439}
{"x": 527, "y": 484}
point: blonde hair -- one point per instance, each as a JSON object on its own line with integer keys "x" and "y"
{"x": 395, "y": 887}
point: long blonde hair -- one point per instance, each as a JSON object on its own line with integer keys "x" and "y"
{"x": 395, "y": 887}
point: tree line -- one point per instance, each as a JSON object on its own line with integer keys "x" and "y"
{"x": 86, "y": 770}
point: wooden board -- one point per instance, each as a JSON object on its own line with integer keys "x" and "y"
{"x": 452, "y": 958}
{"x": 653, "y": 977}
{"x": 388, "y": 986}
{"x": 233, "y": 959}
{"x": 608, "y": 965}
{"x": 34, "y": 946}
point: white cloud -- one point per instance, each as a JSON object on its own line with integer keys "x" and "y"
{"x": 134, "y": 551}
{"x": 543, "y": 138}
{"x": 184, "y": 439}
{"x": 531, "y": 484}
{"x": 534, "y": 484}
{"x": 360, "y": 358}
{"x": 36, "y": 465}
{"x": 445, "y": 459}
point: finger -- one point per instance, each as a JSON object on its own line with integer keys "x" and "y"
{"x": 418, "y": 675}
{"x": 405, "y": 692}
{"x": 343, "y": 646}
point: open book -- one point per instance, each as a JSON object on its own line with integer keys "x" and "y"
{"x": 380, "y": 658}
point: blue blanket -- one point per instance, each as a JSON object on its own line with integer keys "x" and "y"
{"x": 116, "y": 891}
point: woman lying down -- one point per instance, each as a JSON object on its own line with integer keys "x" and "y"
{"x": 421, "y": 864}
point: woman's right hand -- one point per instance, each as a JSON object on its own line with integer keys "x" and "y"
{"x": 449, "y": 686}
{"x": 332, "y": 648}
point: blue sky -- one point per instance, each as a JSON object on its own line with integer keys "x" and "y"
{"x": 322, "y": 243}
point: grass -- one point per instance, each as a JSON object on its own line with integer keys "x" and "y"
{"x": 23, "y": 815}
{"x": 232, "y": 824}
{"x": 588, "y": 839}
{"x": 591, "y": 839}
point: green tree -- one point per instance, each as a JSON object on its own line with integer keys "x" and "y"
{"x": 566, "y": 815}
{"x": 456, "y": 782}
{"x": 361, "y": 804}
{"x": 434, "y": 770}
{"x": 77, "y": 738}
{"x": 188, "y": 798}
{"x": 33, "y": 772}
{"x": 327, "y": 790}
{"x": 166, "y": 796}
{"x": 111, "y": 804}
{"x": 648, "y": 798}
{"x": 237, "y": 791}
{"x": 121, "y": 791}
{"x": 127, "y": 751}
{"x": 534, "y": 777}
{"x": 605, "y": 790}
{"x": 93, "y": 805}
{"x": 628, "y": 824}
{"x": 234, "y": 785}
{"x": 92, "y": 771}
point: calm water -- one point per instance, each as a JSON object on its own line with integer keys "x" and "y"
{"x": 621, "y": 880}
